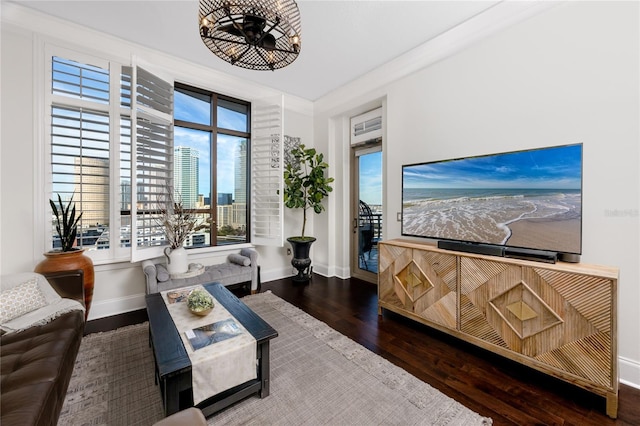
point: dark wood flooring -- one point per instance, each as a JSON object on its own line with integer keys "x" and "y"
{"x": 491, "y": 385}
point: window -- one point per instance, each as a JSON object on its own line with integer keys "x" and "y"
{"x": 211, "y": 158}
{"x": 90, "y": 151}
{"x": 193, "y": 140}
{"x": 81, "y": 152}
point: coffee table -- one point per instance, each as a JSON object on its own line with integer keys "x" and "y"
{"x": 172, "y": 364}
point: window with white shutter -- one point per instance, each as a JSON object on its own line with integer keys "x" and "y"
{"x": 89, "y": 151}
{"x": 110, "y": 146}
{"x": 79, "y": 152}
{"x": 267, "y": 216}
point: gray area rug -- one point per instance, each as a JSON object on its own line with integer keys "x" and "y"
{"x": 318, "y": 376}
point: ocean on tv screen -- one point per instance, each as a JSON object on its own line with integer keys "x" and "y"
{"x": 532, "y": 218}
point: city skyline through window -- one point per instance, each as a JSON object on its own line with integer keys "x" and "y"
{"x": 215, "y": 128}
{"x": 210, "y": 159}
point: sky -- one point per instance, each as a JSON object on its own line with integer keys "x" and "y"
{"x": 555, "y": 167}
{"x": 371, "y": 178}
{"x": 191, "y": 109}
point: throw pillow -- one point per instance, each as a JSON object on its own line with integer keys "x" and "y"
{"x": 21, "y": 300}
{"x": 162, "y": 274}
{"x": 239, "y": 259}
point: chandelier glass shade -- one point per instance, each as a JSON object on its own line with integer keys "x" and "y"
{"x": 252, "y": 34}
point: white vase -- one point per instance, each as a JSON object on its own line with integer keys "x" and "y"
{"x": 177, "y": 262}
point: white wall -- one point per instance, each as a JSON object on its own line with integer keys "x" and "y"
{"x": 569, "y": 74}
{"x": 119, "y": 287}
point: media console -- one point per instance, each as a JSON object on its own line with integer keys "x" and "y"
{"x": 557, "y": 318}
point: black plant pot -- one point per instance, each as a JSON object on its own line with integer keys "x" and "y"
{"x": 301, "y": 260}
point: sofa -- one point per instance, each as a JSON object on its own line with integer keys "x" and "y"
{"x": 38, "y": 348}
{"x": 240, "y": 268}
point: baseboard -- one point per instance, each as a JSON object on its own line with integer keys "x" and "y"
{"x": 630, "y": 370}
{"x": 116, "y": 306}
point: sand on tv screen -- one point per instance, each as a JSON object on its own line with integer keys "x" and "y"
{"x": 526, "y": 199}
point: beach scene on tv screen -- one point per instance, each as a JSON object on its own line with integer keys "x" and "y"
{"x": 528, "y": 199}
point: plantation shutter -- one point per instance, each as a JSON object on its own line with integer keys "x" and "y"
{"x": 267, "y": 216}
{"x": 152, "y": 170}
{"x": 79, "y": 151}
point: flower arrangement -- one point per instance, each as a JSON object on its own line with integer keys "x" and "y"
{"x": 200, "y": 302}
{"x": 66, "y": 223}
{"x": 178, "y": 221}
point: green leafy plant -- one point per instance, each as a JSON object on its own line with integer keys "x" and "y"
{"x": 66, "y": 223}
{"x": 305, "y": 183}
{"x": 199, "y": 300}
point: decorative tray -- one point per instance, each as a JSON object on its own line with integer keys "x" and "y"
{"x": 194, "y": 270}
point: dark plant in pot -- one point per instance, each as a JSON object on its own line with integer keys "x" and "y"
{"x": 68, "y": 257}
{"x": 305, "y": 186}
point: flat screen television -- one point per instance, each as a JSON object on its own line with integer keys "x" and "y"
{"x": 528, "y": 199}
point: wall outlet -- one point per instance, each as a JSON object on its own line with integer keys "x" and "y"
{"x": 399, "y": 216}
{"x": 288, "y": 252}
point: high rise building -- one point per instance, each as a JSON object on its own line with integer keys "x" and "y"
{"x": 240, "y": 169}
{"x": 185, "y": 175}
{"x": 92, "y": 182}
{"x": 239, "y": 214}
{"x": 225, "y": 199}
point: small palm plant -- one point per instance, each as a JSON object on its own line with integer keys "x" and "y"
{"x": 66, "y": 222}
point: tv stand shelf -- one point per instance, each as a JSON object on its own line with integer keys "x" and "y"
{"x": 557, "y": 318}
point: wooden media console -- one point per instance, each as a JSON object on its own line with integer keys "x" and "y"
{"x": 557, "y": 318}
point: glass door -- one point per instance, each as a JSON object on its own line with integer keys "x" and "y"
{"x": 366, "y": 211}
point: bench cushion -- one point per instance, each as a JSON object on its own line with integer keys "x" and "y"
{"x": 239, "y": 268}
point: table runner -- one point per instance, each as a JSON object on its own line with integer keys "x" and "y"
{"x": 220, "y": 365}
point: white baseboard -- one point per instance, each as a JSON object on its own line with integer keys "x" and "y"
{"x": 629, "y": 372}
{"x": 116, "y": 306}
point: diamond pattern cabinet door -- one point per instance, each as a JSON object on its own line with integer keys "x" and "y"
{"x": 438, "y": 302}
{"x": 560, "y": 319}
{"x": 390, "y": 257}
{"x": 586, "y": 348}
{"x": 418, "y": 282}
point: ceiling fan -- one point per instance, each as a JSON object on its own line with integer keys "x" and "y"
{"x": 251, "y": 36}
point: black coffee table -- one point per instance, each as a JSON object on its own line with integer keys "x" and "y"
{"x": 173, "y": 367}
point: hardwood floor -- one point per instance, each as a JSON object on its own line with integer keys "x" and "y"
{"x": 491, "y": 385}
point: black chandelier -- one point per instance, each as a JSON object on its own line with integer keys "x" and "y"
{"x": 252, "y": 34}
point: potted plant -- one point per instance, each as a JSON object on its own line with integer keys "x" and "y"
{"x": 200, "y": 302}
{"x": 177, "y": 222}
{"x": 68, "y": 257}
{"x": 305, "y": 186}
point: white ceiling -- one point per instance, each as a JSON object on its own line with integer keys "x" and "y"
{"x": 341, "y": 40}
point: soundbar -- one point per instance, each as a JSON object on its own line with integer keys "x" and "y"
{"x": 491, "y": 250}
{"x": 476, "y": 248}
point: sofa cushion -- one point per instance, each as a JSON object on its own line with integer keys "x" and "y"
{"x": 21, "y": 299}
{"x": 36, "y": 367}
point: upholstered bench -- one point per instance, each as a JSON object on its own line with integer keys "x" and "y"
{"x": 239, "y": 268}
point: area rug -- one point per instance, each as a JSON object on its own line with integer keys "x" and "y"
{"x": 318, "y": 377}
